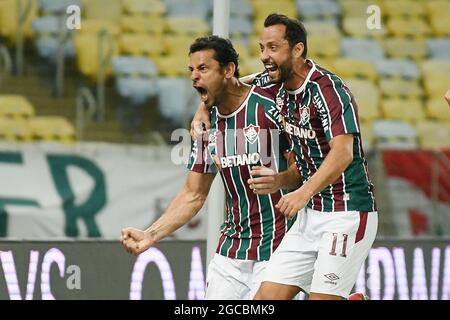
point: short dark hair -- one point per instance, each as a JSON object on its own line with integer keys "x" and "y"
{"x": 295, "y": 31}
{"x": 223, "y": 48}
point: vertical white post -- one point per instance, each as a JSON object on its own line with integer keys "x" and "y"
{"x": 216, "y": 196}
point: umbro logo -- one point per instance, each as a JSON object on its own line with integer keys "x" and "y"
{"x": 331, "y": 276}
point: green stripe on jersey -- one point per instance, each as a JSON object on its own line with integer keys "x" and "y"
{"x": 226, "y": 246}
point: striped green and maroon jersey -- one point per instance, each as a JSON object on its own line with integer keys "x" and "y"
{"x": 253, "y": 228}
{"x": 323, "y": 108}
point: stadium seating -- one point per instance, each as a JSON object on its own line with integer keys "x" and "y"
{"x": 102, "y": 9}
{"x": 412, "y": 48}
{"x": 410, "y": 110}
{"x": 15, "y": 106}
{"x": 15, "y": 130}
{"x": 433, "y": 134}
{"x": 195, "y": 27}
{"x": 403, "y": 8}
{"x": 397, "y": 68}
{"x": 367, "y": 98}
{"x": 141, "y": 44}
{"x": 9, "y": 17}
{"x": 400, "y": 88}
{"x": 141, "y": 24}
{"x": 52, "y": 128}
{"x": 362, "y": 49}
{"x": 51, "y": 7}
{"x": 393, "y": 134}
{"x": 437, "y": 109}
{"x": 147, "y": 8}
{"x": 136, "y": 78}
{"x": 199, "y": 9}
{"x": 439, "y": 48}
{"x": 368, "y": 139}
{"x": 353, "y": 68}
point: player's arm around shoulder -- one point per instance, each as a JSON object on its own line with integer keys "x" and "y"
{"x": 186, "y": 204}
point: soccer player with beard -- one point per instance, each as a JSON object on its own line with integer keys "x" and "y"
{"x": 245, "y": 132}
{"x": 337, "y": 216}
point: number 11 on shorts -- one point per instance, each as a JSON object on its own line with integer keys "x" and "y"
{"x": 344, "y": 245}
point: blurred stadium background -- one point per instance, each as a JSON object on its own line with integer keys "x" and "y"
{"x": 87, "y": 121}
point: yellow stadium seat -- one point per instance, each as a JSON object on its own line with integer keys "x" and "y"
{"x": 440, "y": 25}
{"x": 195, "y": 27}
{"x": 251, "y": 65}
{"x": 325, "y": 63}
{"x": 178, "y": 44}
{"x": 367, "y": 98}
{"x": 15, "y": 106}
{"x": 87, "y": 48}
{"x": 97, "y": 25}
{"x": 405, "y": 110}
{"x": 405, "y": 48}
{"x": 438, "y": 8}
{"x": 353, "y": 68}
{"x": 357, "y": 8}
{"x": 9, "y": 16}
{"x": 52, "y": 128}
{"x": 321, "y": 29}
{"x": 141, "y": 24}
{"x": 434, "y": 135}
{"x": 262, "y": 8}
{"x": 15, "y": 130}
{"x": 173, "y": 65}
{"x": 324, "y": 46}
{"x": 141, "y": 44}
{"x": 102, "y": 9}
{"x": 146, "y": 7}
{"x": 436, "y": 85}
{"x": 400, "y": 88}
{"x": 367, "y": 136}
{"x": 435, "y": 66}
{"x": 437, "y": 109}
{"x": 403, "y": 8}
{"x": 411, "y": 27}
{"x": 357, "y": 27}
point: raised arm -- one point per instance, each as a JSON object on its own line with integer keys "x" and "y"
{"x": 186, "y": 204}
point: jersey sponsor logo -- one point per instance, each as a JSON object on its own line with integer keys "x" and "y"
{"x": 318, "y": 102}
{"x": 239, "y": 160}
{"x": 251, "y": 133}
{"x": 299, "y": 132}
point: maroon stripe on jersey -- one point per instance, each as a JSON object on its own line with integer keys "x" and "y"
{"x": 362, "y": 226}
{"x": 222, "y": 239}
{"x": 335, "y": 107}
{"x": 234, "y": 246}
{"x": 280, "y": 221}
{"x": 265, "y": 143}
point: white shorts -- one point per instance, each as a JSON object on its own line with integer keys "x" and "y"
{"x": 324, "y": 251}
{"x": 233, "y": 279}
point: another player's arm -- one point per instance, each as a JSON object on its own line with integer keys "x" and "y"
{"x": 202, "y": 120}
{"x": 447, "y": 96}
{"x": 334, "y": 164}
{"x": 186, "y": 204}
{"x": 267, "y": 181}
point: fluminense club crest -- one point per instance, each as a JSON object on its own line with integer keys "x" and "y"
{"x": 251, "y": 133}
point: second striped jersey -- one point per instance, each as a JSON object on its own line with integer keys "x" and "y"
{"x": 250, "y": 136}
{"x": 321, "y": 109}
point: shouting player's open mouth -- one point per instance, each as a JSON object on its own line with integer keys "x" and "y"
{"x": 202, "y": 92}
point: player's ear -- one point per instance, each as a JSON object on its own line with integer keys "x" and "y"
{"x": 298, "y": 49}
{"x": 229, "y": 70}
